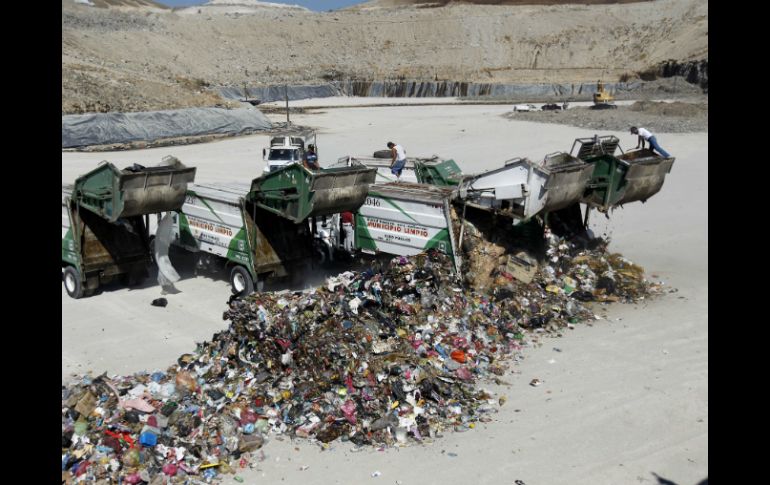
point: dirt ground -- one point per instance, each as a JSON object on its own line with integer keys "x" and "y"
{"x": 146, "y": 59}
{"x": 659, "y": 117}
{"x": 622, "y": 399}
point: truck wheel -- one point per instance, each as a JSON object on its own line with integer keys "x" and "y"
{"x": 241, "y": 282}
{"x": 72, "y": 282}
{"x": 383, "y": 154}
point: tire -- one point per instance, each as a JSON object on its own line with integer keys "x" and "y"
{"x": 383, "y": 154}
{"x": 241, "y": 282}
{"x": 72, "y": 282}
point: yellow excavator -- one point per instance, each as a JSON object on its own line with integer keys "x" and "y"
{"x": 602, "y": 98}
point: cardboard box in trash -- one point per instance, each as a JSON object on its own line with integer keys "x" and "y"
{"x": 521, "y": 266}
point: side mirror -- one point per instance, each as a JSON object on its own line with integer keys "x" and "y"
{"x": 264, "y": 153}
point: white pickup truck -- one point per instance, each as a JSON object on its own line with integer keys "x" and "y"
{"x": 286, "y": 149}
{"x": 524, "y": 107}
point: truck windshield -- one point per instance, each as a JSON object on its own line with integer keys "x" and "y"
{"x": 283, "y": 154}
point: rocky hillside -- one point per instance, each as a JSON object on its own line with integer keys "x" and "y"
{"x": 141, "y": 58}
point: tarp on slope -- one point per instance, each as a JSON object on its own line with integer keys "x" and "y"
{"x": 106, "y": 128}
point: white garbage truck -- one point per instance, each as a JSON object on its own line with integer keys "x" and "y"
{"x": 262, "y": 230}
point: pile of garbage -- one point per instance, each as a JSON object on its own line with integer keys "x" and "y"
{"x": 389, "y": 356}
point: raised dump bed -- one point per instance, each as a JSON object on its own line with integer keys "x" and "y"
{"x": 114, "y": 194}
{"x": 104, "y": 233}
{"x": 567, "y": 179}
{"x": 524, "y": 188}
{"x": 437, "y": 171}
{"x": 297, "y": 193}
{"x": 619, "y": 179}
{"x": 226, "y": 230}
{"x": 645, "y": 176}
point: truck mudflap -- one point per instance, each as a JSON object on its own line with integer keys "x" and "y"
{"x": 297, "y": 193}
{"x": 645, "y": 175}
{"x": 114, "y": 194}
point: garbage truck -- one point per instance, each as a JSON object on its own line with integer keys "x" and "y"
{"x": 410, "y": 216}
{"x": 405, "y": 219}
{"x": 263, "y": 229}
{"x": 520, "y": 188}
{"x": 105, "y": 221}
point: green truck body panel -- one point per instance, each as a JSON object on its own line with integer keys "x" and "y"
{"x": 104, "y": 233}
{"x": 115, "y": 194}
{"x": 445, "y": 173}
{"x": 296, "y": 193}
{"x": 404, "y": 219}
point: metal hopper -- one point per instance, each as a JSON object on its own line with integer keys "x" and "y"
{"x": 526, "y": 188}
{"x": 616, "y": 180}
{"x": 297, "y": 193}
{"x": 136, "y": 190}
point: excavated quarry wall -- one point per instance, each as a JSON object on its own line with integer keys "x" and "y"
{"x": 266, "y": 94}
{"x": 695, "y": 72}
{"x": 419, "y": 89}
{"x": 424, "y": 89}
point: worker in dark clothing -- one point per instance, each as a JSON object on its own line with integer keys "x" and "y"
{"x": 310, "y": 160}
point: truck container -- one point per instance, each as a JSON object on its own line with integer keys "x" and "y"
{"x": 105, "y": 221}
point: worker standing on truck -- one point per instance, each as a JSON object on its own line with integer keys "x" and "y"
{"x": 646, "y": 135}
{"x": 310, "y": 160}
{"x": 398, "y": 161}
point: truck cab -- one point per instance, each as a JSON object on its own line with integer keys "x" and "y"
{"x": 284, "y": 150}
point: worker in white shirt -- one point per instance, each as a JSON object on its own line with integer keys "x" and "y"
{"x": 645, "y": 135}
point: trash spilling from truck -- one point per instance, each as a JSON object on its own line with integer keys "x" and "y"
{"x": 471, "y": 269}
{"x": 106, "y": 226}
{"x": 435, "y": 203}
{"x": 264, "y": 229}
{"x": 398, "y": 354}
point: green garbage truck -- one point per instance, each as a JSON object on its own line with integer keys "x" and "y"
{"x": 405, "y": 218}
{"x": 105, "y": 221}
{"x": 264, "y": 229}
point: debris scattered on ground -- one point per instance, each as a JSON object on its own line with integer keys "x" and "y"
{"x": 161, "y": 302}
{"x": 393, "y": 355}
